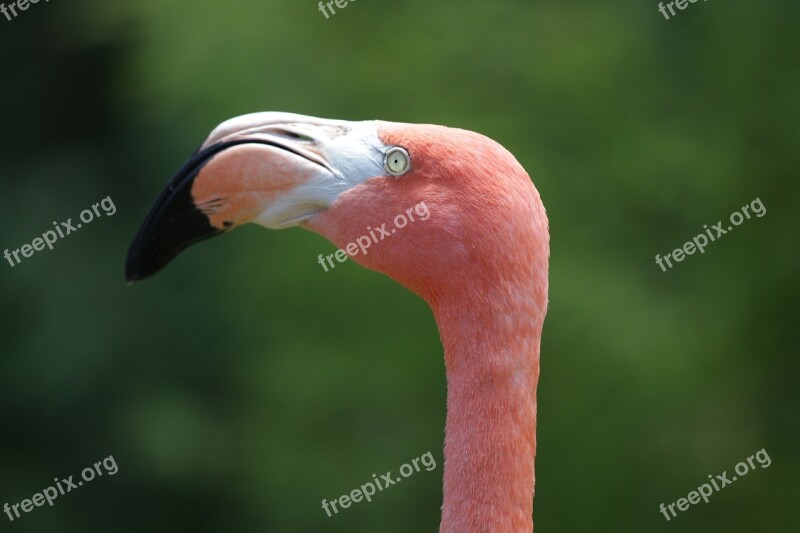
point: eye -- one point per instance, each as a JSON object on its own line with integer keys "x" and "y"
{"x": 397, "y": 161}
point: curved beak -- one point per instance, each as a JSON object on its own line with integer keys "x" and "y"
{"x": 274, "y": 169}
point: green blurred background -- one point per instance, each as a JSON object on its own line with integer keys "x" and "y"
{"x": 243, "y": 385}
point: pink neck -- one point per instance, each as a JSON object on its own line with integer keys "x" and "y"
{"x": 491, "y": 346}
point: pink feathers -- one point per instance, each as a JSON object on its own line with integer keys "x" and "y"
{"x": 481, "y": 262}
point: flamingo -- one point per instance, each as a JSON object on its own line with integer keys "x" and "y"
{"x": 480, "y": 261}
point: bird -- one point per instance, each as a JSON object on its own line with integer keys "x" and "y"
{"x": 480, "y": 261}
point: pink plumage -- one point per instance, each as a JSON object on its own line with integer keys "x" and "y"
{"x": 480, "y": 261}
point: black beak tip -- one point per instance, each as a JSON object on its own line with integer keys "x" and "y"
{"x": 133, "y": 272}
{"x": 164, "y": 235}
{"x": 173, "y": 223}
{"x": 130, "y": 275}
{"x": 143, "y": 258}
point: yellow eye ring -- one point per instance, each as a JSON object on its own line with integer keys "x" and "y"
{"x": 397, "y": 161}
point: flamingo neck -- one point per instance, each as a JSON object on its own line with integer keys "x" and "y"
{"x": 491, "y": 344}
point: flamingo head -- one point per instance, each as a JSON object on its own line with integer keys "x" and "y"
{"x": 420, "y": 203}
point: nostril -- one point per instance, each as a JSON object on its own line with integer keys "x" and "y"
{"x": 293, "y": 135}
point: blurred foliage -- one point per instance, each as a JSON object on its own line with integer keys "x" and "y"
{"x": 243, "y": 385}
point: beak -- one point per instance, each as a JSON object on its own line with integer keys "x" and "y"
{"x": 274, "y": 169}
